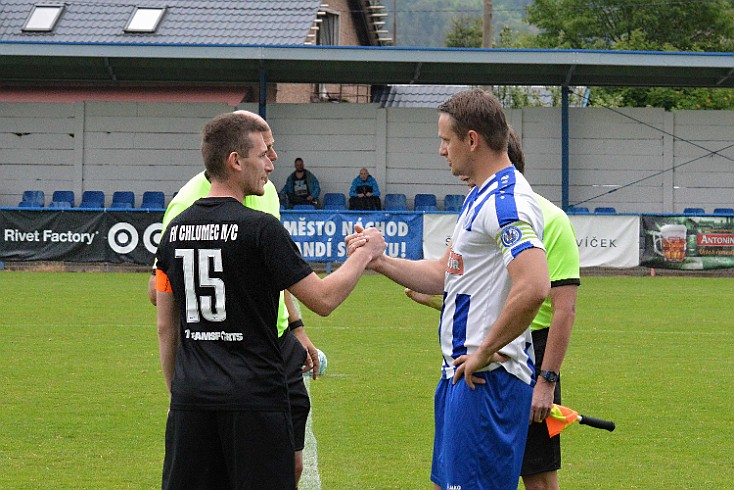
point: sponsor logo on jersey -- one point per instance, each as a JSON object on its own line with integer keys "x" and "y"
{"x": 455, "y": 264}
{"x": 224, "y": 336}
{"x": 510, "y": 236}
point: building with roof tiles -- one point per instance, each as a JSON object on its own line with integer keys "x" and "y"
{"x": 189, "y": 23}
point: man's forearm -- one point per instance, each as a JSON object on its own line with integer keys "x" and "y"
{"x": 530, "y": 287}
{"x": 515, "y": 318}
{"x": 322, "y": 296}
{"x": 563, "y": 301}
{"x": 168, "y": 336}
{"x": 167, "y": 344}
{"x": 294, "y": 312}
{"x": 424, "y": 276}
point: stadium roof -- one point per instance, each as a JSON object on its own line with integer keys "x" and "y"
{"x": 38, "y": 62}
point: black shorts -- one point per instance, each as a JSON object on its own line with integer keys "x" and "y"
{"x": 228, "y": 449}
{"x": 295, "y": 357}
{"x": 542, "y": 453}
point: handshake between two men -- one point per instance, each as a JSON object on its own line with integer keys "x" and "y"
{"x": 424, "y": 283}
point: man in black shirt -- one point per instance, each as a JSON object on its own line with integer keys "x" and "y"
{"x": 221, "y": 267}
{"x": 299, "y": 352}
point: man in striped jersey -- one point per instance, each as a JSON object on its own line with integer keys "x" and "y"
{"x": 551, "y": 327}
{"x": 493, "y": 278}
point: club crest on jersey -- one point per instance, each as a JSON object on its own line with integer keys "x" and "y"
{"x": 456, "y": 263}
{"x": 510, "y": 236}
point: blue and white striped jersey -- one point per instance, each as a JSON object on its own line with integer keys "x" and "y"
{"x": 499, "y": 219}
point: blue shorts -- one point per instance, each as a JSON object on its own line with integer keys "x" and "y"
{"x": 480, "y": 434}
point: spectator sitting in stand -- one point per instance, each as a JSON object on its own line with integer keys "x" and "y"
{"x": 364, "y": 193}
{"x": 302, "y": 187}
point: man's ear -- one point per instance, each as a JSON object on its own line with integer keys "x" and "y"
{"x": 473, "y": 139}
{"x": 233, "y": 162}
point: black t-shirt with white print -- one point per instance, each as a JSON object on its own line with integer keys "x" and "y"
{"x": 227, "y": 265}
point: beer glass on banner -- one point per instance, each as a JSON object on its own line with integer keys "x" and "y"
{"x": 670, "y": 242}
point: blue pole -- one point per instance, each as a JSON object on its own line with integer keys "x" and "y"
{"x": 263, "y": 96}
{"x": 564, "y": 147}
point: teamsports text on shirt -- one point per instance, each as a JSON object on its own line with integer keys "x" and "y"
{"x": 225, "y": 336}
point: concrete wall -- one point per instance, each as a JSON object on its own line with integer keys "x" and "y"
{"x": 636, "y": 160}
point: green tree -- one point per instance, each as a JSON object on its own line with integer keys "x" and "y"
{"x": 703, "y": 25}
{"x": 672, "y": 25}
{"x": 465, "y": 32}
{"x": 424, "y": 23}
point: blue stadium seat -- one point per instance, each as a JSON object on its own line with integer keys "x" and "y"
{"x": 153, "y": 200}
{"x": 453, "y": 202}
{"x": 577, "y": 210}
{"x": 303, "y": 207}
{"x": 426, "y": 208}
{"x": 603, "y": 210}
{"x": 123, "y": 200}
{"x": 424, "y": 200}
{"x": 92, "y": 199}
{"x": 60, "y": 205}
{"x": 724, "y": 211}
{"x": 28, "y": 204}
{"x": 396, "y": 202}
{"x": 335, "y": 200}
{"x": 35, "y": 199}
{"x": 62, "y": 196}
{"x": 694, "y": 211}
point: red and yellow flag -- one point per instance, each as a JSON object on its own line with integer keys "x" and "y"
{"x": 560, "y": 418}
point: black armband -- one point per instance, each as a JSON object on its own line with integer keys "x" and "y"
{"x": 296, "y": 324}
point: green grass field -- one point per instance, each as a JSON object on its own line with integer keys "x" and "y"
{"x": 82, "y": 403}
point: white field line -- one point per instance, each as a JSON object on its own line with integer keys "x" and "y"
{"x": 310, "y": 479}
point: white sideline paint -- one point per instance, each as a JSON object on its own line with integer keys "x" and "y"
{"x": 310, "y": 479}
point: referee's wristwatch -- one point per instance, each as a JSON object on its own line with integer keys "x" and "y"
{"x": 550, "y": 376}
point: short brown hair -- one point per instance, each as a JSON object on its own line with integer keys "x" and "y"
{"x": 224, "y": 134}
{"x": 480, "y": 111}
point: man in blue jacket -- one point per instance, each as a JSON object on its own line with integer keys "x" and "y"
{"x": 364, "y": 193}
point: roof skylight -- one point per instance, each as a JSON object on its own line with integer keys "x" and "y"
{"x": 145, "y": 19}
{"x": 43, "y": 18}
